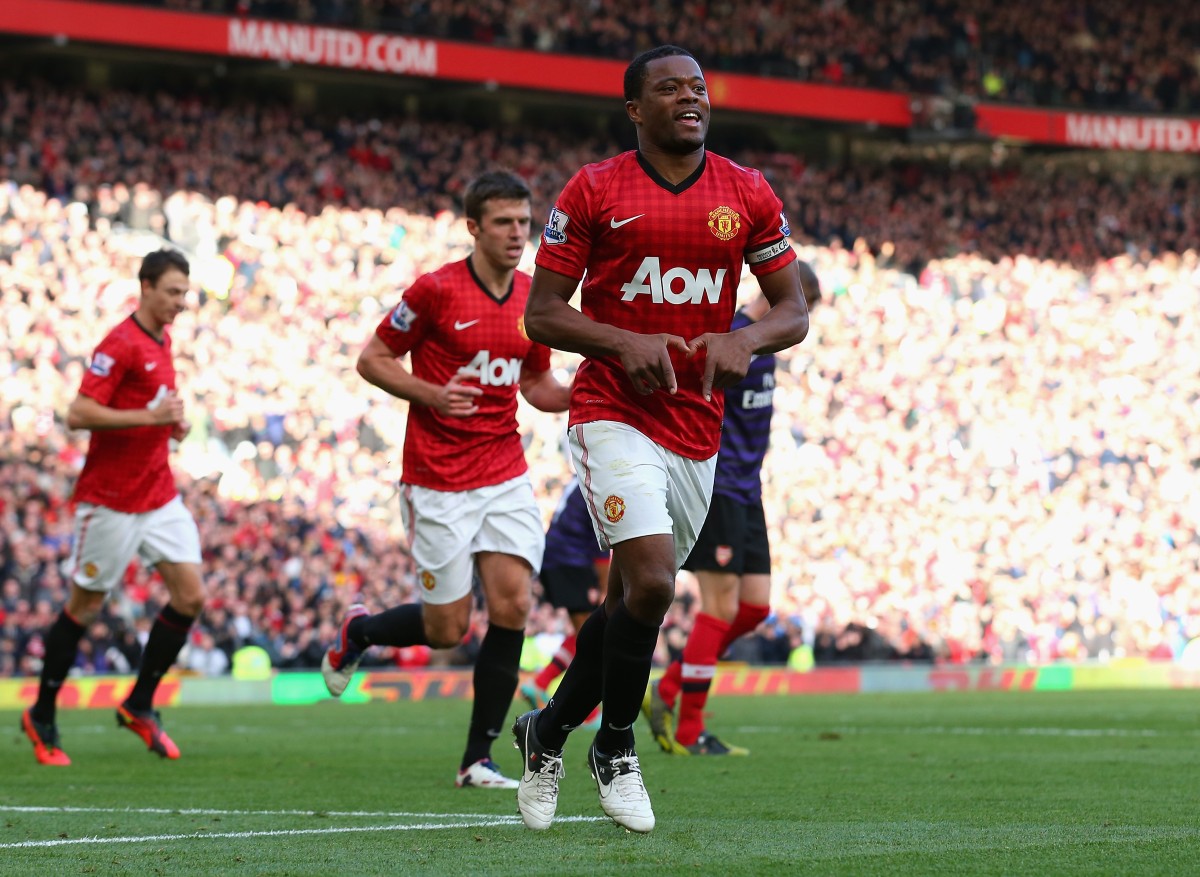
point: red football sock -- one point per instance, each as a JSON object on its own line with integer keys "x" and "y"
{"x": 668, "y": 685}
{"x": 558, "y": 664}
{"x": 749, "y": 616}
{"x": 699, "y": 666}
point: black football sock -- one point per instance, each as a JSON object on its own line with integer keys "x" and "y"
{"x": 399, "y": 626}
{"x": 581, "y": 686}
{"x": 167, "y": 637}
{"x": 497, "y": 671}
{"x": 62, "y": 645}
{"x": 628, "y": 653}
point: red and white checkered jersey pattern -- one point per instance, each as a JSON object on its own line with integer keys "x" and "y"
{"x": 128, "y": 470}
{"x": 448, "y": 320}
{"x": 661, "y": 258}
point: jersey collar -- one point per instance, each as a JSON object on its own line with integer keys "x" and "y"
{"x": 664, "y": 183}
{"x": 149, "y": 334}
{"x": 479, "y": 282}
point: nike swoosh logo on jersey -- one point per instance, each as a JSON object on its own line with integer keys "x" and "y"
{"x": 617, "y": 223}
{"x": 460, "y": 326}
{"x": 151, "y": 366}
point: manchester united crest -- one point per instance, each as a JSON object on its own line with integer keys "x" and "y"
{"x": 614, "y": 508}
{"x": 90, "y": 570}
{"x": 725, "y": 223}
{"x": 428, "y": 580}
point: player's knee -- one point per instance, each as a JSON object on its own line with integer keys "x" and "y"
{"x": 649, "y": 600}
{"x": 511, "y": 613}
{"x": 445, "y": 634}
{"x": 84, "y": 606}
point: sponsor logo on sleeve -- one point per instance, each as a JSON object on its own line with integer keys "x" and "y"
{"x": 724, "y": 222}
{"x": 101, "y": 365}
{"x": 556, "y": 227}
{"x": 784, "y": 228}
{"x": 402, "y": 317}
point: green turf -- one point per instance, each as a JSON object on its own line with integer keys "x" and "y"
{"x": 1039, "y": 783}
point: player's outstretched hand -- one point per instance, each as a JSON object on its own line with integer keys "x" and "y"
{"x": 647, "y": 361}
{"x": 727, "y": 359}
{"x": 457, "y": 398}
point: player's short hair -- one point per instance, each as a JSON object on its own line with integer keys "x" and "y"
{"x": 635, "y": 73}
{"x": 158, "y": 263}
{"x": 493, "y": 186}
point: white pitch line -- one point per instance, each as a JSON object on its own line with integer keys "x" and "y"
{"x": 495, "y": 822}
{"x": 226, "y": 835}
{"x": 203, "y": 811}
{"x": 1032, "y": 732}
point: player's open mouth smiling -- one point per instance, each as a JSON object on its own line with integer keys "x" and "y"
{"x": 691, "y": 118}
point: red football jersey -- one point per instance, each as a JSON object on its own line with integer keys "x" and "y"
{"x": 661, "y": 258}
{"x": 128, "y": 470}
{"x": 448, "y": 320}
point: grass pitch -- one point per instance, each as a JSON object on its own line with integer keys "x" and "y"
{"x": 1004, "y": 783}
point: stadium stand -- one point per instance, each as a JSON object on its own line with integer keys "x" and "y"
{"x": 1100, "y": 55}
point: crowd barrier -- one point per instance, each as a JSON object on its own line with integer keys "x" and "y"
{"x": 290, "y": 688}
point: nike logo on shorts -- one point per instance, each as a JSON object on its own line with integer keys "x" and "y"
{"x": 617, "y": 223}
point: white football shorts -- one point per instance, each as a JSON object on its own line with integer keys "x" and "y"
{"x": 446, "y": 529}
{"x": 635, "y": 487}
{"x": 106, "y": 540}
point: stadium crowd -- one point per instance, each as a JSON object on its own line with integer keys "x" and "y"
{"x": 1103, "y": 55}
{"x": 987, "y": 460}
{"x": 116, "y": 150}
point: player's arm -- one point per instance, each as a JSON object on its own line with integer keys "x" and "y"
{"x": 86, "y": 413}
{"x": 381, "y": 367}
{"x": 785, "y": 324}
{"x": 543, "y": 391}
{"x": 551, "y": 320}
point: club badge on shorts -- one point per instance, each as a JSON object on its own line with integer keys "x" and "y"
{"x": 614, "y": 509}
{"x": 427, "y": 580}
{"x": 723, "y": 555}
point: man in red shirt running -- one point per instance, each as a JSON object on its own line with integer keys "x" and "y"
{"x": 658, "y": 236}
{"x": 127, "y": 505}
{"x": 468, "y": 505}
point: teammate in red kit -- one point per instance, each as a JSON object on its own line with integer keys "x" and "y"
{"x": 659, "y": 236}
{"x": 127, "y": 504}
{"x": 468, "y": 503}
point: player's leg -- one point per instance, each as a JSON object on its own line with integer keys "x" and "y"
{"x": 104, "y": 543}
{"x": 718, "y": 605}
{"x": 508, "y": 547}
{"x": 648, "y": 505}
{"x": 740, "y": 604}
{"x": 506, "y": 584}
{"x": 754, "y": 586}
{"x": 440, "y": 526}
{"x": 169, "y": 540}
